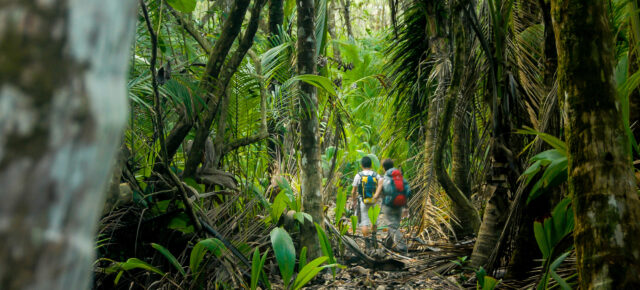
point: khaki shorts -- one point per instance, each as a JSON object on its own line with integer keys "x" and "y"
{"x": 363, "y": 219}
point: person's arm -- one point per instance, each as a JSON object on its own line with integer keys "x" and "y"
{"x": 378, "y": 190}
{"x": 354, "y": 188}
{"x": 354, "y": 196}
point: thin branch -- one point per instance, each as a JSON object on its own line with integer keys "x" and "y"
{"x": 154, "y": 84}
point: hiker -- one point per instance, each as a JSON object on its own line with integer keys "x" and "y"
{"x": 395, "y": 191}
{"x": 365, "y": 184}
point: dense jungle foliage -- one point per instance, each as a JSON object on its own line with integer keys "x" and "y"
{"x": 515, "y": 123}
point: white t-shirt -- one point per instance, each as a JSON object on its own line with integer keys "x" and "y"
{"x": 367, "y": 172}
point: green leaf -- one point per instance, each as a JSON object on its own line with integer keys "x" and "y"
{"x": 373, "y": 213}
{"x": 191, "y": 182}
{"x": 303, "y": 259}
{"x": 257, "y": 265}
{"x": 354, "y": 223}
{"x": 185, "y": 6}
{"x": 308, "y": 272}
{"x": 212, "y": 245}
{"x": 132, "y": 263}
{"x": 172, "y": 259}
{"x": 551, "y": 140}
{"x": 285, "y": 253}
{"x": 182, "y": 223}
{"x": 317, "y": 81}
{"x": 325, "y": 246}
{"x": 490, "y": 283}
{"x": 556, "y": 171}
{"x": 300, "y": 216}
{"x": 341, "y": 201}
{"x": 541, "y": 239}
{"x": 278, "y": 206}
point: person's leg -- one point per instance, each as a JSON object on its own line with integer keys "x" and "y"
{"x": 392, "y": 218}
{"x": 365, "y": 223}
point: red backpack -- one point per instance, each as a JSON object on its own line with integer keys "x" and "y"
{"x": 397, "y": 190}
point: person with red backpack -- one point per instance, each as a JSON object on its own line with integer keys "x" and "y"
{"x": 396, "y": 192}
{"x": 365, "y": 184}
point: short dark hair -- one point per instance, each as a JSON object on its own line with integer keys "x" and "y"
{"x": 365, "y": 162}
{"x": 387, "y": 164}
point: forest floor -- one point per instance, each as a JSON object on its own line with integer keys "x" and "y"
{"x": 426, "y": 266}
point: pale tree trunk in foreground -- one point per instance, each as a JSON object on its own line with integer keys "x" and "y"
{"x": 310, "y": 143}
{"x": 62, "y": 111}
{"x": 601, "y": 181}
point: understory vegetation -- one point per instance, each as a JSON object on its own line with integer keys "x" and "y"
{"x": 463, "y": 95}
{"x": 514, "y": 121}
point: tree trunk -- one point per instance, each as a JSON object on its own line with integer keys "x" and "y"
{"x": 461, "y": 168}
{"x": 601, "y": 182}
{"x": 307, "y": 112}
{"x": 219, "y": 87}
{"x": 467, "y": 213}
{"x": 208, "y": 84}
{"x": 505, "y": 164}
{"x": 331, "y": 28}
{"x": 437, "y": 48}
{"x": 346, "y": 5}
{"x": 526, "y": 254}
{"x": 459, "y": 192}
{"x": 276, "y": 16}
{"x": 62, "y": 108}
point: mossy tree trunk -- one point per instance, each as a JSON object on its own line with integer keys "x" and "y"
{"x": 308, "y": 116}
{"x": 461, "y": 166}
{"x": 458, "y": 188}
{"x": 63, "y": 68}
{"x": 601, "y": 182}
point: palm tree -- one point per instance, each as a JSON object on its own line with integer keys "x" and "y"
{"x": 601, "y": 182}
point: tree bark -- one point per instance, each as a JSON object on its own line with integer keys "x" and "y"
{"x": 601, "y": 182}
{"x": 469, "y": 221}
{"x": 307, "y": 108}
{"x": 229, "y": 69}
{"x": 276, "y": 16}
{"x": 63, "y": 107}
{"x": 461, "y": 168}
{"x": 346, "y": 5}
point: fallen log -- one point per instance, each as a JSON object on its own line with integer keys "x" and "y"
{"x": 386, "y": 264}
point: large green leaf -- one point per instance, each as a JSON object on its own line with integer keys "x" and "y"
{"x": 185, "y": 6}
{"x": 278, "y": 206}
{"x": 285, "y": 253}
{"x": 212, "y": 245}
{"x": 555, "y": 172}
{"x": 317, "y": 81}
